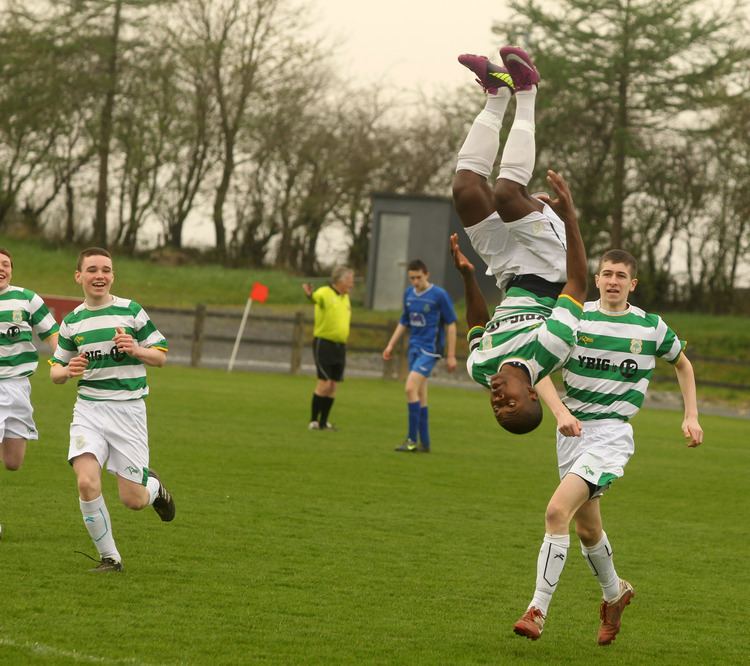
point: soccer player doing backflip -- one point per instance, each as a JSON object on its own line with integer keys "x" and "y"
{"x": 531, "y": 244}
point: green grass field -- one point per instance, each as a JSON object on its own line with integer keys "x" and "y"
{"x": 295, "y": 547}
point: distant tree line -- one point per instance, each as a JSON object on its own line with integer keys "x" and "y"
{"x": 121, "y": 117}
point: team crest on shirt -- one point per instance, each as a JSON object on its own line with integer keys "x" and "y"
{"x": 636, "y": 346}
{"x": 17, "y": 316}
{"x": 78, "y": 339}
{"x": 426, "y": 307}
{"x": 584, "y": 339}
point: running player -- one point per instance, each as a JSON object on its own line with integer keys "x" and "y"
{"x": 522, "y": 239}
{"x": 105, "y": 343}
{"x": 431, "y": 321}
{"x": 606, "y": 379}
{"x": 21, "y": 311}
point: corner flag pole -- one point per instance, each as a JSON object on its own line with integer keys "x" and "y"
{"x": 259, "y": 293}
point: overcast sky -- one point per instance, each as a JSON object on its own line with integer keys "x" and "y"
{"x": 402, "y": 42}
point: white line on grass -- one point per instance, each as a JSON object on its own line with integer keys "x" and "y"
{"x": 50, "y": 651}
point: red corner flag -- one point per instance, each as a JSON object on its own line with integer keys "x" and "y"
{"x": 259, "y": 292}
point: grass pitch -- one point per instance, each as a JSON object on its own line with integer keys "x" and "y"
{"x": 295, "y": 547}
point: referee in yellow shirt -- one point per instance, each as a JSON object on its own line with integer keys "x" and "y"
{"x": 333, "y": 313}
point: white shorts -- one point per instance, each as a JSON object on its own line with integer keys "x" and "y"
{"x": 599, "y": 455}
{"x": 534, "y": 245}
{"x": 16, "y": 412}
{"x": 115, "y": 432}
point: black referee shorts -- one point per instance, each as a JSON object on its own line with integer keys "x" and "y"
{"x": 330, "y": 359}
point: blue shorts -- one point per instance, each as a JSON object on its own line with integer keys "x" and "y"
{"x": 422, "y": 362}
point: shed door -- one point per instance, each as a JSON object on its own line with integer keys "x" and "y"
{"x": 390, "y": 270}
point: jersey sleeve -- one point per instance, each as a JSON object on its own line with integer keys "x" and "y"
{"x": 404, "y": 320}
{"x": 447, "y": 311}
{"x": 42, "y": 321}
{"x": 557, "y": 336}
{"x": 319, "y": 297}
{"x": 668, "y": 345}
{"x": 474, "y": 337}
{"x": 146, "y": 333}
{"x": 66, "y": 347}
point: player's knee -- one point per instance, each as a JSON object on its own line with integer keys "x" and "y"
{"x": 13, "y": 465}
{"x": 556, "y": 518}
{"x": 133, "y": 501}
{"x": 588, "y": 534}
{"x": 89, "y": 487}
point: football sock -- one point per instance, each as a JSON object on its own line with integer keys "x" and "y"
{"x": 599, "y": 558}
{"x": 325, "y": 410}
{"x": 479, "y": 150}
{"x": 317, "y": 405}
{"x": 96, "y": 520}
{"x": 519, "y": 154}
{"x": 152, "y": 485}
{"x": 549, "y": 566}
{"x": 424, "y": 427}
{"x": 413, "y": 420}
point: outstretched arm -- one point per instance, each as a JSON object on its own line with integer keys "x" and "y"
{"x": 476, "y": 306}
{"x": 686, "y": 378}
{"x": 576, "y": 254}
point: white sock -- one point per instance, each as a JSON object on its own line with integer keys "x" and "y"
{"x": 97, "y": 522}
{"x": 519, "y": 154}
{"x": 549, "y": 566}
{"x": 599, "y": 558}
{"x": 152, "y": 485}
{"x": 479, "y": 150}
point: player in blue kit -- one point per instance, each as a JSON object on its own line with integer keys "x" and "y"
{"x": 431, "y": 321}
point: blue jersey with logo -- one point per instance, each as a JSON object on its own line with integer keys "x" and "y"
{"x": 426, "y": 314}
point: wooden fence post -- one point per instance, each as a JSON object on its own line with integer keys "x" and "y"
{"x": 298, "y": 341}
{"x": 197, "y": 347}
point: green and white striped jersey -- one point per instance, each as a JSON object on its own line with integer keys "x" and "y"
{"x": 21, "y": 310}
{"x": 110, "y": 374}
{"x": 608, "y": 373}
{"x": 536, "y": 331}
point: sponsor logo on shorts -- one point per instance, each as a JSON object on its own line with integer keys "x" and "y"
{"x": 133, "y": 470}
{"x": 537, "y": 227}
{"x": 587, "y": 470}
{"x": 79, "y": 441}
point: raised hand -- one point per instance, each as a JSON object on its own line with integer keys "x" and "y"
{"x": 563, "y": 204}
{"x": 463, "y": 265}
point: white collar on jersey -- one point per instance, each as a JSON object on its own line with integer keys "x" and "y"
{"x": 611, "y": 313}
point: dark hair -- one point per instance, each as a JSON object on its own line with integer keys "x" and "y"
{"x": 417, "y": 265}
{"x": 91, "y": 252}
{"x": 525, "y": 420}
{"x": 7, "y": 254}
{"x": 620, "y": 257}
